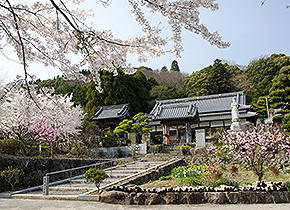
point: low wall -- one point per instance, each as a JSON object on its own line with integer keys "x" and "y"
{"x": 146, "y": 198}
{"x": 35, "y": 168}
{"x": 259, "y": 192}
{"x": 127, "y": 150}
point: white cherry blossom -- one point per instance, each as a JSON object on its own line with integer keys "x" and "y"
{"x": 49, "y": 31}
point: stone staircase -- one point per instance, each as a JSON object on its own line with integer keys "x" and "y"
{"x": 71, "y": 189}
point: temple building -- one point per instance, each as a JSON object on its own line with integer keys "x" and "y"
{"x": 182, "y": 120}
{"x": 110, "y": 116}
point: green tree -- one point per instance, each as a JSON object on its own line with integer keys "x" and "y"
{"x": 220, "y": 76}
{"x": 280, "y": 97}
{"x": 262, "y": 72}
{"x": 96, "y": 176}
{"x": 93, "y": 99}
{"x": 174, "y": 66}
{"x": 79, "y": 95}
{"x": 213, "y": 79}
{"x": 164, "y": 69}
{"x": 152, "y": 82}
{"x": 11, "y": 146}
{"x": 260, "y": 107}
{"x": 12, "y": 175}
{"x": 162, "y": 92}
{"x": 199, "y": 84}
{"x": 138, "y": 124}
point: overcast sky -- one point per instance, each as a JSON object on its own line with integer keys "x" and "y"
{"x": 252, "y": 30}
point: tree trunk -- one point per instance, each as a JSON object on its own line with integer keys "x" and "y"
{"x": 51, "y": 150}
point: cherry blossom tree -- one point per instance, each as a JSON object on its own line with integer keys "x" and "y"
{"x": 20, "y": 109}
{"x": 255, "y": 148}
{"x": 50, "y": 31}
{"x": 40, "y": 132}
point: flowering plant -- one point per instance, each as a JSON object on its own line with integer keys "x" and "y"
{"x": 255, "y": 148}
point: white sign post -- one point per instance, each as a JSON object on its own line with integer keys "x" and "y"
{"x": 200, "y": 138}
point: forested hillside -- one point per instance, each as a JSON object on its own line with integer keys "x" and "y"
{"x": 267, "y": 77}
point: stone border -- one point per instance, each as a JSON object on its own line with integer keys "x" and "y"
{"x": 239, "y": 197}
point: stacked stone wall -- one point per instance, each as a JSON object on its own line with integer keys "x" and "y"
{"x": 35, "y": 168}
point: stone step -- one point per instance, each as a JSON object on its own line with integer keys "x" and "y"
{"x": 80, "y": 185}
{"x": 120, "y": 175}
{"x": 126, "y": 171}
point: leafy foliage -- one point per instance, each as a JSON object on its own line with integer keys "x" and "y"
{"x": 174, "y": 66}
{"x": 119, "y": 89}
{"x": 10, "y": 146}
{"x": 66, "y": 87}
{"x": 96, "y": 176}
{"x": 262, "y": 72}
{"x": 163, "y": 92}
{"x": 138, "y": 124}
{"x": 109, "y": 140}
{"x": 12, "y": 175}
{"x": 211, "y": 80}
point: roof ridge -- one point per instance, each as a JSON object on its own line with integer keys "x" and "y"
{"x": 114, "y": 106}
{"x": 196, "y": 98}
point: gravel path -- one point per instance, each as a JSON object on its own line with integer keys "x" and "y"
{"x": 19, "y": 204}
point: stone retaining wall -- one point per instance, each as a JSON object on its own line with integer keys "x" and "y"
{"x": 242, "y": 197}
{"x": 35, "y": 168}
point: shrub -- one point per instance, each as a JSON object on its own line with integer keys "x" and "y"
{"x": 79, "y": 150}
{"x": 165, "y": 178}
{"x": 101, "y": 153}
{"x": 157, "y": 139}
{"x": 128, "y": 141}
{"x": 287, "y": 185}
{"x": 11, "y": 146}
{"x": 155, "y": 148}
{"x": 184, "y": 149}
{"x": 12, "y": 175}
{"x": 119, "y": 153}
{"x": 96, "y": 176}
{"x": 109, "y": 140}
{"x": 189, "y": 171}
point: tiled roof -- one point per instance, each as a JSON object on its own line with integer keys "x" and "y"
{"x": 210, "y": 103}
{"x": 209, "y": 108}
{"x": 225, "y": 116}
{"x": 175, "y": 111}
{"x": 109, "y": 112}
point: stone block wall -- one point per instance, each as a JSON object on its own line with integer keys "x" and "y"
{"x": 35, "y": 168}
{"x": 151, "y": 198}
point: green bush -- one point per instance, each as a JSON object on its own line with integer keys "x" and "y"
{"x": 11, "y": 146}
{"x": 12, "y": 175}
{"x": 165, "y": 178}
{"x": 96, "y": 176}
{"x": 287, "y": 185}
{"x": 101, "y": 154}
{"x": 155, "y": 148}
{"x": 184, "y": 149}
{"x": 109, "y": 140}
{"x": 157, "y": 139}
{"x": 119, "y": 153}
{"x": 128, "y": 141}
